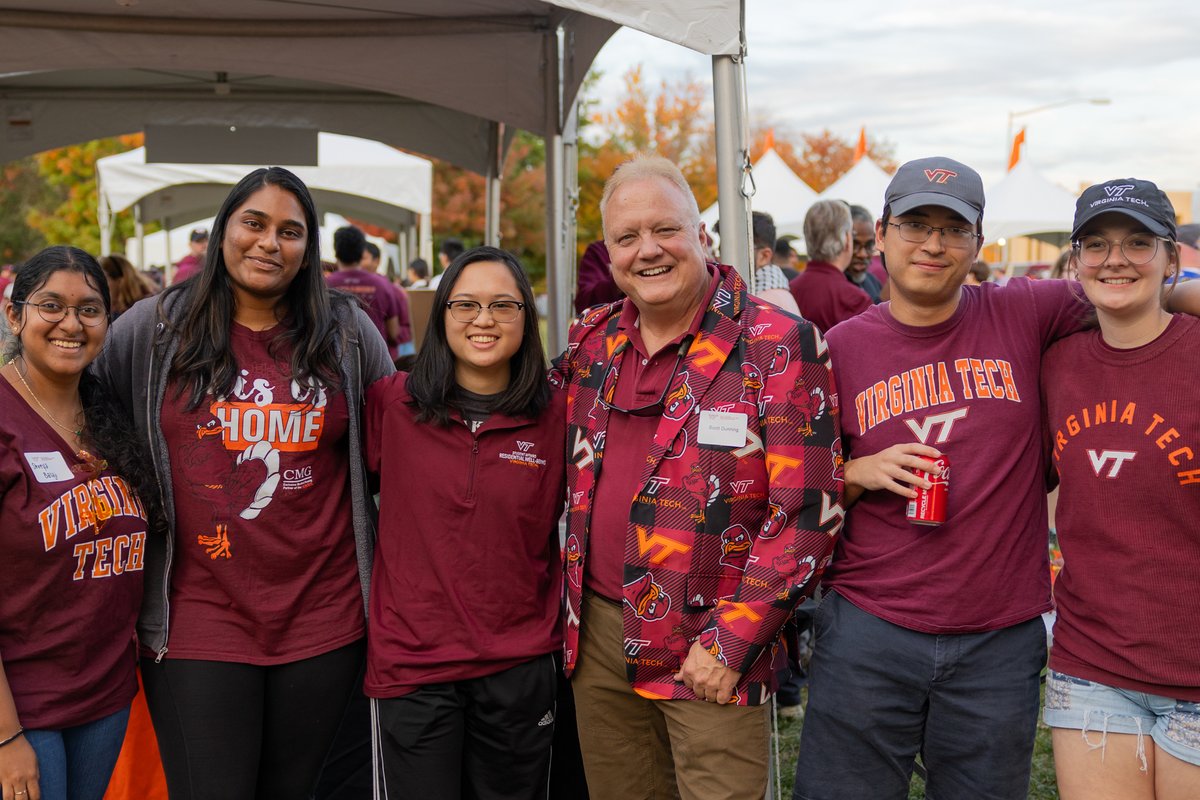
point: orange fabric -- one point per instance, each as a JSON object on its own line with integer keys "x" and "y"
{"x": 1017, "y": 144}
{"x": 138, "y": 774}
{"x": 860, "y": 149}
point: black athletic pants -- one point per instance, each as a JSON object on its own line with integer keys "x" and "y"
{"x": 477, "y": 739}
{"x": 229, "y": 731}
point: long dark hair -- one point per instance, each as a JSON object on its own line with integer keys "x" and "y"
{"x": 204, "y": 361}
{"x": 109, "y": 431}
{"x": 432, "y": 385}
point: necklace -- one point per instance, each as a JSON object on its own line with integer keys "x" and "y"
{"x": 76, "y": 433}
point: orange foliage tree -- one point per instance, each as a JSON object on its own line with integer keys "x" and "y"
{"x": 670, "y": 122}
{"x": 70, "y": 173}
{"x": 822, "y": 157}
{"x": 21, "y": 188}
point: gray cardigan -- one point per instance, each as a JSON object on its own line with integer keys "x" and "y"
{"x": 134, "y": 364}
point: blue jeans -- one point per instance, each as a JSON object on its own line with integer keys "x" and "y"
{"x": 879, "y": 694}
{"x": 75, "y": 763}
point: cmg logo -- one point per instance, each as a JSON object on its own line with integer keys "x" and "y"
{"x": 1117, "y": 191}
{"x": 939, "y": 175}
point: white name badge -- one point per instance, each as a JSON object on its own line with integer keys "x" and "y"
{"x": 49, "y": 467}
{"x": 722, "y": 428}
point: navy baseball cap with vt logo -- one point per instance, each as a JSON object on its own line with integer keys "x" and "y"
{"x": 1141, "y": 200}
{"x": 936, "y": 181}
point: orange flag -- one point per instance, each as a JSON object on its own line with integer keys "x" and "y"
{"x": 861, "y": 149}
{"x": 769, "y": 140}
{"x": 1017, "y": 144}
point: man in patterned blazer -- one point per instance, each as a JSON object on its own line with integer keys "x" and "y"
{"x": 705, "y": 479}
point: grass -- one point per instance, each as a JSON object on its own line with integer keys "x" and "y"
{"x": 1042, "y": 785}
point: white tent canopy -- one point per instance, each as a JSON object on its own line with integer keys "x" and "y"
{"x": 862, "y": 185}
{"x": 445, "y": 78}
{"x": 779, "y": 192}
{"x": 355, "y": 177}
{"x": 1025, "y": 203}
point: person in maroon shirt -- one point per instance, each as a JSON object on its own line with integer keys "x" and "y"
{"x": 822, "y": 292}
{"x": 464, "y": 618}
{"x": 247, "y": 382}
{"x": 73, "y": 529}
{"x": 193, "y": 262}
{"x": 1123, "y": 693}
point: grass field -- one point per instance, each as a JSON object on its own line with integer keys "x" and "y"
{"x": 1041, "y": 785}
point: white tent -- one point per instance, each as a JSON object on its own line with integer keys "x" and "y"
{"x": 1025, "y": 203}
{"x": 446, "y": 78}
{"x": 355, "y": 177}
{"x": 861, "y": 185}
{"x": 778, "y": 191}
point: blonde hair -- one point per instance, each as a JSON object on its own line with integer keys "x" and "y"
{"x": 645, "y": 167}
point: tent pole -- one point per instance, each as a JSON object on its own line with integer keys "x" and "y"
{"x": 426, "y": 240}
{"x": 557, "y": 286}
{"x": 735, "y": 184}
{"x": 102, "y": 216}
{"x": 495, "y": 173}
{"x": 139, "y": 230}
{"x": 169, "y": 267}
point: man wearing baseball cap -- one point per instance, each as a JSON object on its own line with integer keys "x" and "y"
{"x": 930, "y": 639}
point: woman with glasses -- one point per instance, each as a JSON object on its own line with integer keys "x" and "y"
{"x": 247, "y": 381}
{"x": 1123, "y": 693}
{"x": 73, "y": 530}
{"x": 464, "y": 611}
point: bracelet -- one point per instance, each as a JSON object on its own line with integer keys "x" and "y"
{"x": 14, "y": 737}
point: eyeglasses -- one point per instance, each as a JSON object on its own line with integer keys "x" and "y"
{"x": 52, "y": 311}
{"x": 867, "y": 245}
{"x": 919, "y": 233}
{"x": 654, "y": 409}
{"x": 1138, "y": 248}
{"x": 469, "y": 310}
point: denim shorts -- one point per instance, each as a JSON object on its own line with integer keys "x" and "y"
{"x": 1097, "y": 710}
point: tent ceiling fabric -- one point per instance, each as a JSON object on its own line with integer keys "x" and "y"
{"x": 428, "y": 75}
{"x": 354, "y": 177}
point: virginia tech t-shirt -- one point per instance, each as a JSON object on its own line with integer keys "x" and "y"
{"x": 71, "y": 547}
{"x": 968, "y": 386}
{"x": 265, "y": 569}
{"x": 1124, "y": 428}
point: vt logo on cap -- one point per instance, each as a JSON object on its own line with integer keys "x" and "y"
{"x": 940, "y": 175}
{"x": 936, "y": 181}
{"x": 1139, "y": 199}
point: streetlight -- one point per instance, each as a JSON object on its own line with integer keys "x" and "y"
{"x": 1095, "y": 101}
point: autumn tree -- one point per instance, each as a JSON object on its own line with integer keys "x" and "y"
{"x": 670, "y": 121}
{"x": 70, "y": 174}
{"x": 822, "y": 157}
{"x": 21, "y": 189}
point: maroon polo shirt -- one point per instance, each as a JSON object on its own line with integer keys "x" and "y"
{"x": 825, "y": 297}
{"x": 642, "y": 379}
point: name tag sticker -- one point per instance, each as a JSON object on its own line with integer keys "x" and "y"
{"x": 722, "y": 428}
{"x": 49, "y": 467}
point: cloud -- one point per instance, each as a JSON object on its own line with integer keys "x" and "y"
{"x": 942, "y": 77}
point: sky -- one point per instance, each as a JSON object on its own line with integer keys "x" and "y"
{"x": 940, "y": 78}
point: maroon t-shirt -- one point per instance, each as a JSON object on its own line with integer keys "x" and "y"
{"x": 376, "y": 293}
{"x": 188, "y": 266}
{"x": 641, "y": 380}
{"x": 265, "y": 569}
{"x": 968, "y": 386}
{"x": 1124, "y": 428}
{"x": 70, "y": 591}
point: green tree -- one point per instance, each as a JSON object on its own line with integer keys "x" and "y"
{"x": 69, "y": 173}
{"x": 21, "y": 189}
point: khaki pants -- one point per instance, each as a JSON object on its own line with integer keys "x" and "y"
{"x": 636, "y": 748}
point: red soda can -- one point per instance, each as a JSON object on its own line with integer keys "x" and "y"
{"x": 929, "y": 506}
